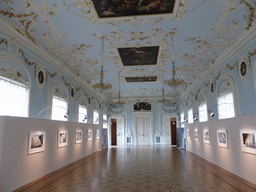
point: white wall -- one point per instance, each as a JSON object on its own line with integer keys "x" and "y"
{"x": 231, "y": 158}
{"x": 17, "y": 168}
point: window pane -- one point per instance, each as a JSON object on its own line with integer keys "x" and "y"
{"x": 182, "y": 119}
{"x": 95, "y": 117}
{"x": 226, "y": 107}
{"x": 82, "y": 117}
{"x": 13, "y": 98}
{"x": 59, "y": 108}
{"x": 105, "y": 121}
{"x": 203, "y": 115}
{"x": 190, "y": 116}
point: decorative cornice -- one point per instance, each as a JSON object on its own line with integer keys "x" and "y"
{"x": 247, "y": 35}
{"x": 6, "y": 28}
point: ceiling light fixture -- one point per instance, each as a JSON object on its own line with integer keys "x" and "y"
{"x": 119, "y": 93}
{"x": 163, "y": 100}
{"x": 100, "y": 86}
{"x": 174, "y": 82}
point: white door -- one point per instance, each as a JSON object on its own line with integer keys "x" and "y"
{"x": 143, "y": 129}
{"x": 167, "y": 129}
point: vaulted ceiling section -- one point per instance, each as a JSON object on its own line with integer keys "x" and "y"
{"x": 142, "y": 38}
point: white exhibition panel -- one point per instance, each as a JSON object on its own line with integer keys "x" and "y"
{"x": 17, "y": 168}
{"x": 232, "y": 159}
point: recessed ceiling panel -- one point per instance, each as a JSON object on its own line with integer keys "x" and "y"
{"x": 121, "y": 8}
{"x": 141, "y": 79}
{"x": 139, "y": 56}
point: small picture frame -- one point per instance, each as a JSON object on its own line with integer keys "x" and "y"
{"x": 189, "y": 134}
{"x": 196, "y": 134}
{"x": 97, "y": 134}
{"x": 72, "y": 92}
{"x": 243, "y": 69}
{"x": 212, "y": 87}
{"x": 79, "y": 136}
{"x": 62, "y": 138}
{"x": 90, "y": 135}
{"x": 40, "y": 77}
{"x": 206, "y": 136}
{"x": 222, "y": 138}
{"x": 36, "y": 141}
{"x": 248, "y": 141}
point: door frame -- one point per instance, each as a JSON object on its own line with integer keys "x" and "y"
{"x": 118, "y": 131}
{"x": 151, "y": 134}
{"x": 162, "y": 124}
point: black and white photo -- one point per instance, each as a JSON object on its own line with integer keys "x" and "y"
{"x": 206, "y": 136}
{"x": 97, "y": 134}
{"x": 248, "y": 141}
{"x": 79, "y": 136}
{"x": 36, "y": 142}
{"x": 62, "y": 138}
{"x": 196, "y": 134}
{"x": 89, "y": 134}
{"x": 188, "y": 134}
{"x": 222, "y": 138}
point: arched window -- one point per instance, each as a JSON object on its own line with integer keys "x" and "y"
{"x": 59, "y": 102}
{"x": 225, "y": 98}
{"x": 95, "y": 117}
{"x": 14, "y": 89}
{"x": 202, "y": 108}
{"x": 182, "y": 116}
{"x": 190, "y": 113}
{"x": 82, "y": 110}
{"x": 105, "y": 120}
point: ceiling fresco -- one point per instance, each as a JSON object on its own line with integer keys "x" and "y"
{"x": 191, "y": 34}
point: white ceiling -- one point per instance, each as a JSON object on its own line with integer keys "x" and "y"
{"x": 70, "y": 31}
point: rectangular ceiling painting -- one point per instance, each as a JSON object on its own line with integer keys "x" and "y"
{"x": 139, "y": 56}
{"x": 141, "y": 79}
{"x": 119, "y": 8}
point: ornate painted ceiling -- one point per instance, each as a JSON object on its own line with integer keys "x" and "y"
{"x": 192, "y": 34}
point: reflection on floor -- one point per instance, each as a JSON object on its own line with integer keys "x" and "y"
{"x": 140, "y": 168}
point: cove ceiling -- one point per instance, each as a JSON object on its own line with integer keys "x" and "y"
{"x": 69, "y": 30}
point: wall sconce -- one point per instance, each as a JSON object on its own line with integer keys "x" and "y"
{"x": 186, "y": 120}
{"x": 97, "y": 120}
{"x": 211, "y": 113}
{"x": 179, "y": 121}
{"x": 195, "y": 119}
{"x": 66, "y": 115}
{"x": 85, "y": 118}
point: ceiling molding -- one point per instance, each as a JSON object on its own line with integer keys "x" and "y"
{"x": 6, "y": 28}
{"x": 247, "y": 35}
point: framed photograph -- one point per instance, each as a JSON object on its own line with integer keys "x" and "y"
{"x": 189, "y": 134}
{"x": 79, "y": 136}
{"x": 206, "y": 136}
{"x": 222, "y": 138}
{"x": 89, "y": 135}
{"x": 248, "y": 140}
{"x": 36, "y": 141}
{"x": 97, "y": 134}
{"x": 196, "y": 135}
{"x": 62, "y": 138}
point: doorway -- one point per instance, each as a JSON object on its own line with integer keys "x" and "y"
{"x": 174, "y": 131}
{"x": 113, "y": 132}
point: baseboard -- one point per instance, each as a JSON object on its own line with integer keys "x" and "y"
{"x": 43, "y": 182}
{"x": 233, "y": 180}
